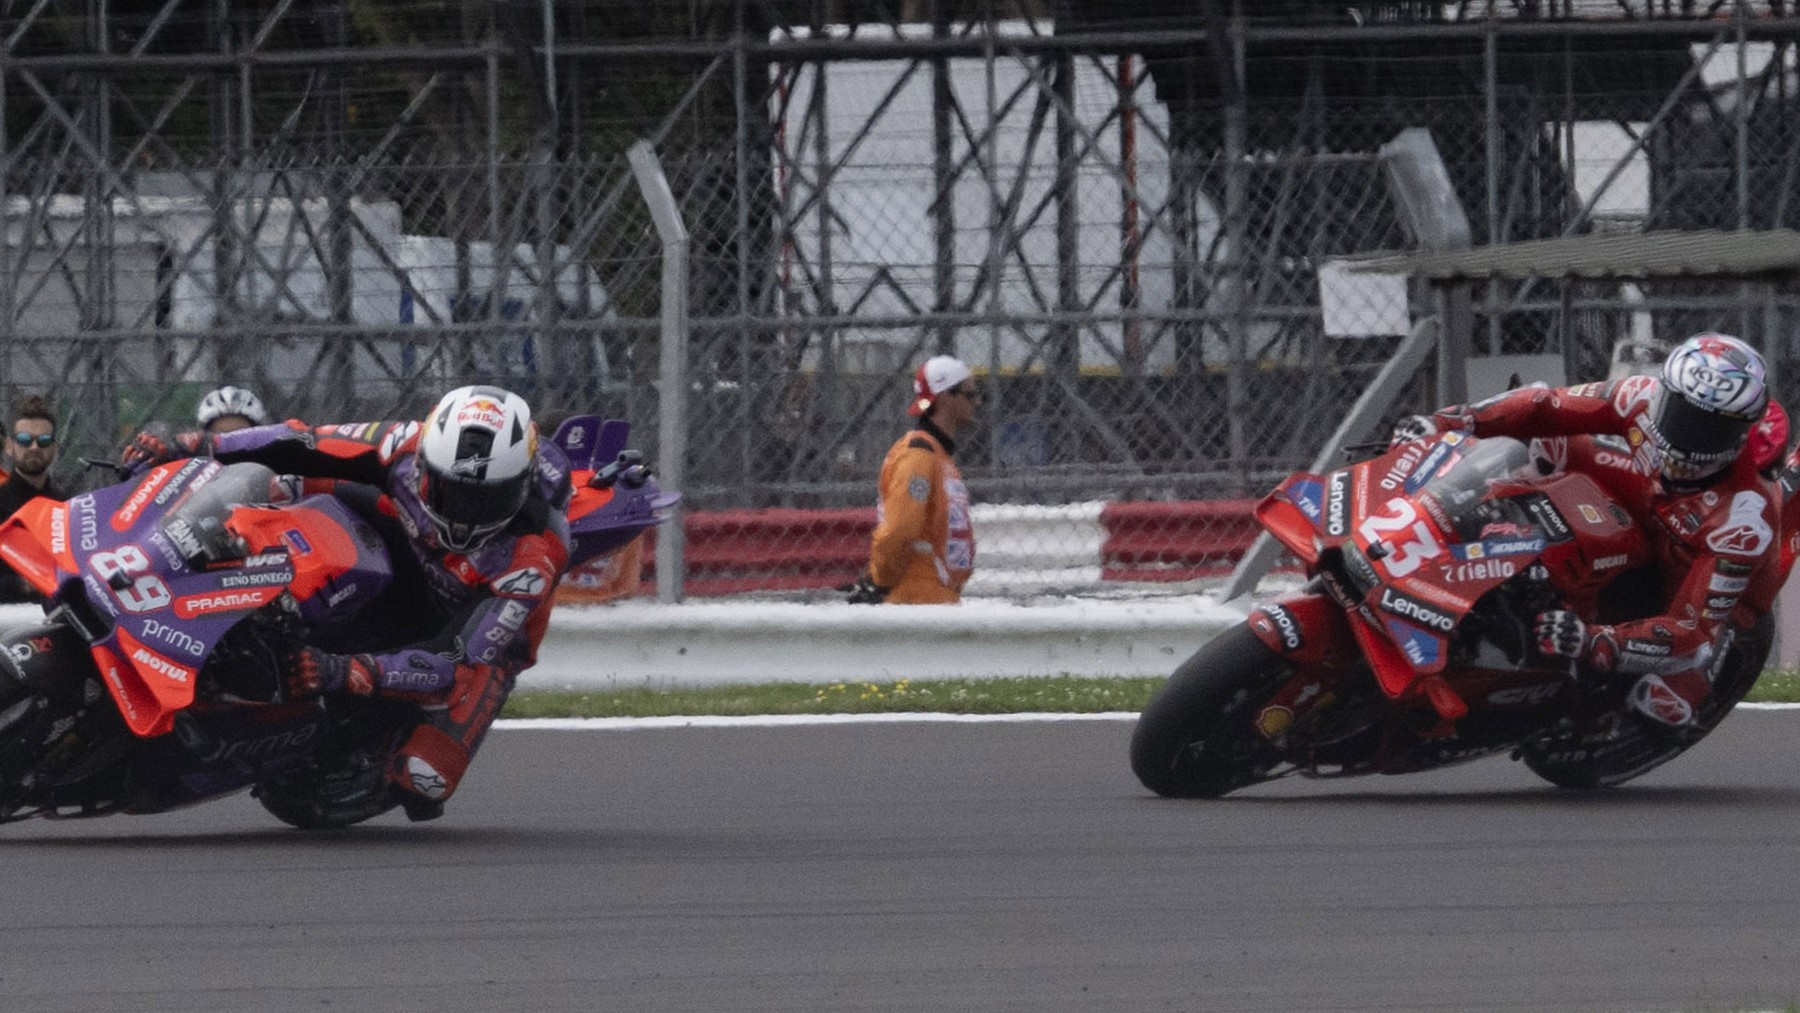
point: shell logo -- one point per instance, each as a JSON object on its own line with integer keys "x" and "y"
{"x": 1273, "y": 721}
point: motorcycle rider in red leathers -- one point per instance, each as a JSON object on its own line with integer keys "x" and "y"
{"x": 482, "y": 508}
{"x": 1691, "y": 453}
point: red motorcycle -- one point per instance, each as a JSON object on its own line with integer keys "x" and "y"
{"x": 1411, "y": 647}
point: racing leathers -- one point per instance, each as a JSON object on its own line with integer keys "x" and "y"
{"x": 923, "y": 548}
{"x": 475, "y": 619}
{"x": 1714, "y": 543}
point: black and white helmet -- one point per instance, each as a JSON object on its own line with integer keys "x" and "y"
{"x": 477, "y": 460}
{"x": 231, "y": 401}
{"x": 1714, "y": 388}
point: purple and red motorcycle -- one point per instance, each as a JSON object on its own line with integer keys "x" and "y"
{"x": 155, "y": 679}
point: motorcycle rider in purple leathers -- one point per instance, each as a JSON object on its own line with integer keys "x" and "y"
{"x": 481, "y": 506}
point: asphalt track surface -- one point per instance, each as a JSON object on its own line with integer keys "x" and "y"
{"x": 932, "y": 867}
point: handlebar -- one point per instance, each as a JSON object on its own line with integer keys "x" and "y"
{"x": 120, "y": 472}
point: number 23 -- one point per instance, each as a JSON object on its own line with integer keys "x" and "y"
{"x": 1403, "y": 556}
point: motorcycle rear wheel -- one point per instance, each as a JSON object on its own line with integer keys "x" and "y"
{"x": 1196, "y": 737}
{"x": 1636, "y": 747}
{"x": 346, "y": 782}
{"x": 332, "y": 803}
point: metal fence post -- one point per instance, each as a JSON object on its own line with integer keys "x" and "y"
{"x": 672, "y": 446}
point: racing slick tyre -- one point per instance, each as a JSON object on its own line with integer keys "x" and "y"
{"x": 339, "y": 799}
{"x": 1196, "y": 737}
{"x": 347, "y": 781}
{"x": 55, "y": 751}
{"x": 1616, "y": 751}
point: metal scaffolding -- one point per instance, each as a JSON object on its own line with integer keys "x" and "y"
{"x": 1119, "y": 212}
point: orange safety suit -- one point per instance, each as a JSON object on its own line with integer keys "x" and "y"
{"x": 923, "y": 549}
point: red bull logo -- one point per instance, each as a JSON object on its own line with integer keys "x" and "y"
{"x": 482, "y": 411}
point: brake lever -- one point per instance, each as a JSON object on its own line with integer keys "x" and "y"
{"x": 92, "y": 463}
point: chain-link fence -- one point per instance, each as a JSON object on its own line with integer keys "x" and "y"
{"x": 1129, "y": 217}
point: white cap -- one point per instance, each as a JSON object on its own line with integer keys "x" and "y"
{"x": 939, "y": 374}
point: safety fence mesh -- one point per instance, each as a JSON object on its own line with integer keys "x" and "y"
{"x": 1131, "y": 218}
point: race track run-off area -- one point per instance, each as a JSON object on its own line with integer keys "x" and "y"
{"x": 918, "y": 864}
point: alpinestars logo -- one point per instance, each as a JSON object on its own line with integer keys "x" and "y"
{"x": 394, "y": 440}
{"x": 1745, "y": 533}
{"x": 525, "y": 582}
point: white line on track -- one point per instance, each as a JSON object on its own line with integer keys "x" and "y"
{"x": 775, "y": 720}
{"x": 789, "y": 720}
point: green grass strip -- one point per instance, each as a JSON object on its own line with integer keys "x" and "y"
{"x": 1776, "y": 686}
{"x": 1057, "y": 694}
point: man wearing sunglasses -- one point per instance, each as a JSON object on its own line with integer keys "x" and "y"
{"x": 30, "y": 452}
{"x": 923, "y": 549}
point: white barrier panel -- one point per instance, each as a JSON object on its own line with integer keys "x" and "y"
{"x": 1021, "y": 548}
{"x": 1025, "y": 537}
{"x": 640, "y": 644}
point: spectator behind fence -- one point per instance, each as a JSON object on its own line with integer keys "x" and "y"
{"x": 230, "y": 409}
{"x": 923, "y": 549}
{"x": 31, "y": 448}
{"x": 224, "y": 410}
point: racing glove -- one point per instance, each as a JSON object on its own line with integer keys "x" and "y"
{"x": 145, "y": 451}
{"x": 312, "y": 673}
{"x": 1561, "y": 634}
{"x": 1412, "y": 427}
{"x": 866, "y": 592}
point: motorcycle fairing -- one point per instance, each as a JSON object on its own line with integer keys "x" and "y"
{"x": 1418, "y": 559}
{"x": 590, "y": 442}
{"x": 1292, "y": 513}
{"x": 34, "y": 541}
{"x": 152, "y": 603}
{"x": 610, "y": 503}
{"x": 1308, "y": 629}
{"x": 336, "y": 560}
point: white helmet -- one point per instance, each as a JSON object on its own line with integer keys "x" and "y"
{"x": 477, "y": 459}
{"x": 231, "y": 401}
{"x": 1714, "y": 388}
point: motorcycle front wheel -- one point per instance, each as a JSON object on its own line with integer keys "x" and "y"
{"x": 1197, "y": 736}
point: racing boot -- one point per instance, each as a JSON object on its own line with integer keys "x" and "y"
{"x": 425, "y": 772}
{"x": 1669, "y": 702}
